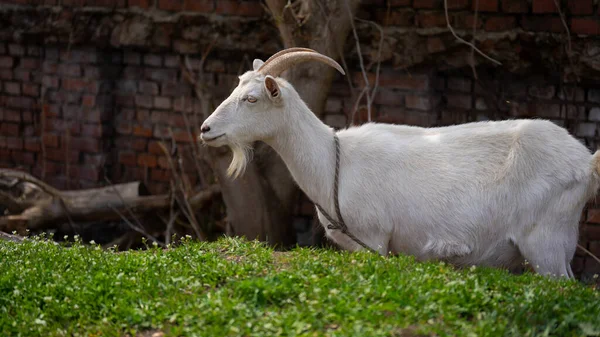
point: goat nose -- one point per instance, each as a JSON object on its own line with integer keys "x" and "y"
{"x": 204, "y": 128}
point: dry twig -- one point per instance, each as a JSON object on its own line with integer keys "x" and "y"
{"x": 589, "y": 253}
{"x": 461, "y": 40}
{"x": 366, "y": 91}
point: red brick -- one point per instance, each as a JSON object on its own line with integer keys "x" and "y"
{"x": 22, "y": 75}
{"x": 60, "y": 155}
{"x": 94, "y": 159}
{"x": 89, "y": 173}
{"x": 160, "y": 175}
{"x": 29, "y": 63}
{"x": 146, "y": 160}
{"x": 431, "y": 19}
{"x": 458, "y": 4}
{"x": 144, "y": 101}
{"x": 127, "y": 158}
{"x": 50, "y": 81}
{"x": 427, "y": 4}
{"x": 591, "y": 232}
{"x": 172, "y": 61}
{"x": 153, "y": 60}
{"x": 202, "y": 6}
{"x": 92, "y": 130}
{"x": 32, "y": 144}
{"x": 175, "y": 89}
{"x": 11, "y": 115}
{"x": 9, "y": 129}
{"x": 142, "y": 115}
{"x": 402, "y": 116}
{"x": 154, "y": 147}
{"x": 515, "y": 6}
{"x": 86, "y": 144}
{"x": 31, "y": 89}
{"x": 50, "y": 140}
{"x": 542, "y": 91}
{"x": 388, "y": 97}
{"x": 142, "y": 131}
{"x": 235, "y": 7}
{"x": 459, "y": 101}
{"x": 16, "y": 49}
{"x": 51, "y": 110}
{"x": 163, "y": 162}
{"x": 400, "y": 80}
{"x": 6, "y": 74}
{"x": 465, "y": 20}
{"x": 139, "y": 3}
{"x": 544, "y": 6}
{"x": 27, "y": 116}
{"x": 435, "y": 45}
{"x": 132, "y": 58}
{"x": 500, "y": 23}
{"x": 486, "y": 5}
{"x": 13, "y": 88}
{"x": 139, "y": 144}
{"x": 402, "y": 18}
{"x": 6, "y": 62}
{"x": 23, "y": 158}
{"x": 587, "y": 26}
{"x": 124, "y": 127}
{"x": 88, "y": 100}
{"x": 183, "y": 104}
{"x": 542, "y": 24}
{"x": 398, "y": 3}
{"x": 60, "y": 126}
{"x": 14, "y": 143}
{"x": 71, "y": 70}
{"x": 593, "y": 216}
{"x": 581, "y": 7}
{"x": 170, "y": 5}
{"x": 459, "y": 84}
{"x": 148, "y": 88}
{"x": 420, "y": 102}
{"x": 74, "y": 84}
{"x": 162, "y": 102}
{"x": 183, "y": 136}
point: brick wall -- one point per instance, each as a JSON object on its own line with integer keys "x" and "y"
{"x": 89, "y": 87}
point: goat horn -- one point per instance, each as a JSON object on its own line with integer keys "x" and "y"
{"x": 285, "y": 61}
{"x": 285, "y": 51}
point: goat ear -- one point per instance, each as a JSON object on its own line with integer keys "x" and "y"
{"x": 256, "y": 64}
{"x": 272, "y": 87}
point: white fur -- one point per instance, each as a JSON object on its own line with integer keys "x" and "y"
{"x": 487, "y": 193}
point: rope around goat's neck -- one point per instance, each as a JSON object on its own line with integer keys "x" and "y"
{"x": 339, "y": 224}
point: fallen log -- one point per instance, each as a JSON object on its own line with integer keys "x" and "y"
{"x": 51, "y": 206}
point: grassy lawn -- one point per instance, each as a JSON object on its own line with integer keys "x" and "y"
{"x": 238, "y": 288}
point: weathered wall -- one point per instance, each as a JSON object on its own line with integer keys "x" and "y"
{"x": 89, "y": 87}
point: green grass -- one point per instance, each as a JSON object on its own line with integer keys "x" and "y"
{"x": 238, "y": 288}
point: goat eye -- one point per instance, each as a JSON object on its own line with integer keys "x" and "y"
{"x": 251, "y": 99}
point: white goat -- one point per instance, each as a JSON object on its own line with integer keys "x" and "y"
{"x": 486, "y": 193}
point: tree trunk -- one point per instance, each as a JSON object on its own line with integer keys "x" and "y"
{"x": 260, "y": 203}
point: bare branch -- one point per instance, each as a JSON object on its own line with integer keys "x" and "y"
{"x": 360, "y": 58}
{"x": 589, "y": 253}
{"x": 461, "y": 40}
{"x": 569, "y": 47}
{"x": 472, "y": 56}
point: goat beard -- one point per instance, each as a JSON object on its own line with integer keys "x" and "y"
{"x": 242, "y": 154}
